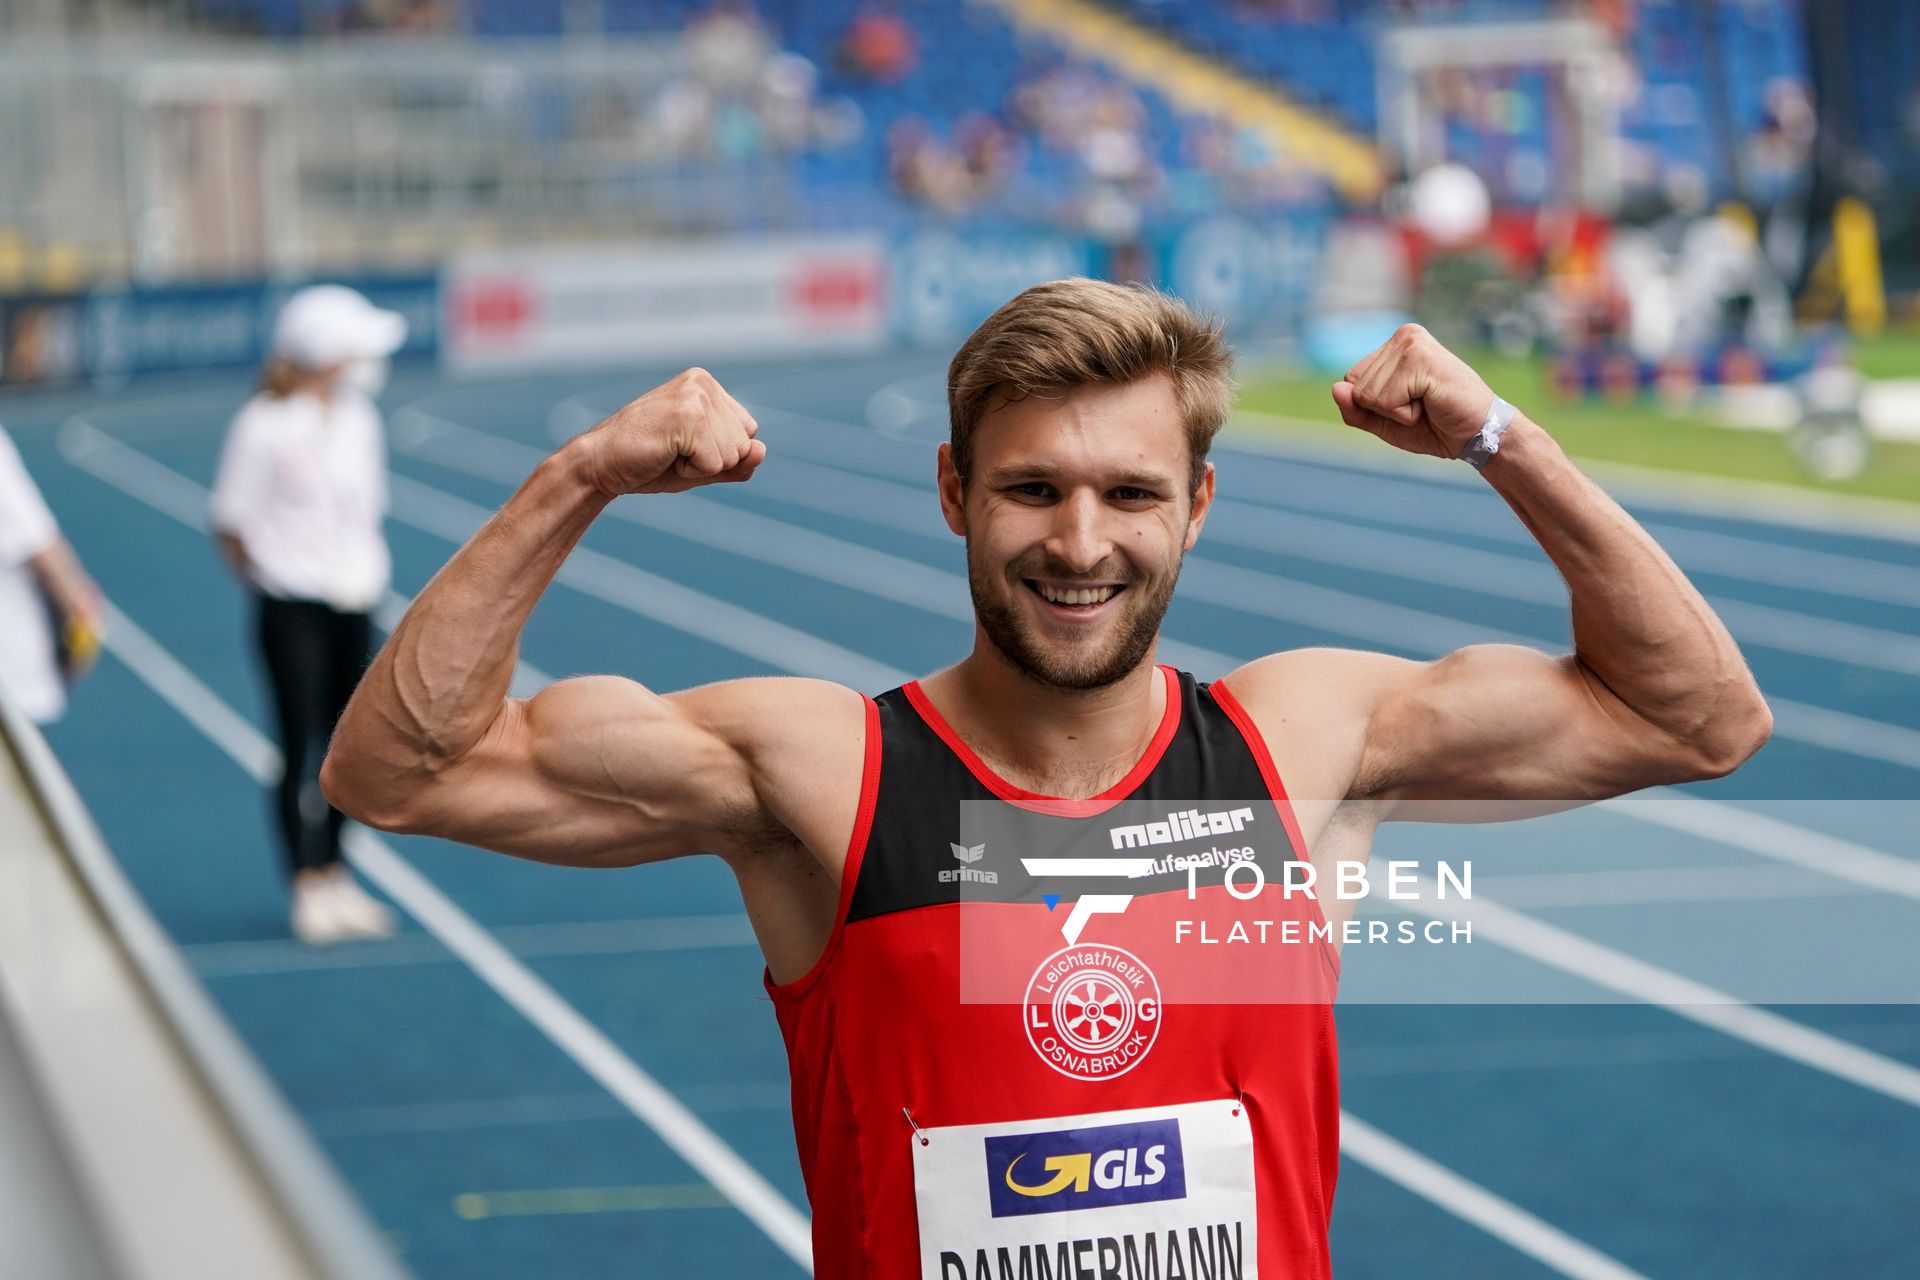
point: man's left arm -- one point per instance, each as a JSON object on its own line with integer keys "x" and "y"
{"x": 1655, "y": 690}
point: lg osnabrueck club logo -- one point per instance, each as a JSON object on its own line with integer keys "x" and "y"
{"x": 1092, "y": 1011}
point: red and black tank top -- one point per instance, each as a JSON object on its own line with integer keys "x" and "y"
{"x": 1056, "y": 1040}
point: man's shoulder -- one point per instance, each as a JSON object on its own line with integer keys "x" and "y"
{"x": 767, "y": 715}
{"x": 1313, "y": 707}
{"x": 804, "y": 744}
{"x": 1319, "y": 675}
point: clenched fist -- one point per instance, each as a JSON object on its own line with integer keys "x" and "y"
{"x": 682, "y": 434}
{"x": 1415, "y": 394}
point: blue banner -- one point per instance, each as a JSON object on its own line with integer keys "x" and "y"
{"x": 946, "y": 282}
{"x": 1257, "y": 274}
{"x": 124, "y": 332}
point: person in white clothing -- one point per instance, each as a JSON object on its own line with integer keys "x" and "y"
{"x": 49, "y": 608}
{"x": 297, "y": 509}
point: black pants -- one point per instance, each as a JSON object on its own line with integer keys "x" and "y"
{"x": 315, "y": 656}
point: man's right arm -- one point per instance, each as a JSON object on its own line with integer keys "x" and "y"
{"x": 591, "y": 771}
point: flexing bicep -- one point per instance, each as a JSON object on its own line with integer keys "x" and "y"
{"x": 1487, "y": 722}
{"x": 1505, "y": 722}
{"x": 595, "y": 771}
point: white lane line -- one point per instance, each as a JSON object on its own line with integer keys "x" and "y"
{"x": 1666, "y": 885}
{"x": 133, "y": 472}
{"x": 1776, "y": 838}
{"x": 583, "y": 1041}
{"x": 1414, "y": 505}
{"x": 1473, "y": 1203}
{"x": 1786, "y": 631}
{"x": 539, "y": 1003}
{"x": 1531, "y": 579}
{"x": 644, "y": 935}
{"x": 472, "y": 1115}
{"x": 1843, "y": 732}
{"x": 1710, "y": 1007}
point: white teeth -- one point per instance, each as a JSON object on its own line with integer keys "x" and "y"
{"x": 1077, "y": 595}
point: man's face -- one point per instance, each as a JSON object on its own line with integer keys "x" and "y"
{"x": 1076, "y": 517}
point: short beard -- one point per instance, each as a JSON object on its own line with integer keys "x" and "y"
{"x": 1007, "y": 630}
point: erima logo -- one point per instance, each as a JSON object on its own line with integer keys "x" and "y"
{"x": 968, "y": 873}
{"x": 1190, "y": 825}
{"x": 1085, "y": 1168}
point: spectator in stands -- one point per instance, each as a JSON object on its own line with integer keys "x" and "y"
{"x": 923, "y": 167}
{"x": 988, "y": 152}
{"x": 49, "y": 608}
{"x": 1779, "y": 175}
{"x": 415, "y": 17}
{"x": 683, "y": 118}
{"x": 879, "y": 46}
{"x": 297, "y": 509}
{"x": 785, "y": 101}
{"x": 726, "y": 46}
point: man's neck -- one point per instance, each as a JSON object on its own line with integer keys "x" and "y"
{"x": 1073, "y": 743}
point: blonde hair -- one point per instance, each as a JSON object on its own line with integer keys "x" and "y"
{"x": 281, "y": 377}
{"x": 1066, "y": 334}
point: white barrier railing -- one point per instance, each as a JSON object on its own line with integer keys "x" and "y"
{"x": 138, "y": 1138}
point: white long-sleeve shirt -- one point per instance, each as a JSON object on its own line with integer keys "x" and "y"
{"x": 28, "y": 666}
{"x": 303, "y": 485}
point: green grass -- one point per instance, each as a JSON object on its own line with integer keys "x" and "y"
{"x": 1639, "y": 432}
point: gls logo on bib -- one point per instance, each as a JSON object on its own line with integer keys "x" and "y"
{"x": 1063, "y": 1169}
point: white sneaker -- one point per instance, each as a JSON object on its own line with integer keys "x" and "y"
{"x": 316, "y": 919}
{"x": 360, "y": 914}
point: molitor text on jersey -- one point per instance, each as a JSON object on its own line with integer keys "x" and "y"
{"x": 1190, "y": 824}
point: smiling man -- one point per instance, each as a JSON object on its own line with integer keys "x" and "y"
{"x": 970, "y": 1097}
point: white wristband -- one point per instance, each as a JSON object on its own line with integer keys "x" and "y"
{"x": 1487, "y": 443}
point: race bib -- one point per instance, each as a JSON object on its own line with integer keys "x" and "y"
{"x": 1162, "y": 1191}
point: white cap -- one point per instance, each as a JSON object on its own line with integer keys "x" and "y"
{"x": 327, "y": 324}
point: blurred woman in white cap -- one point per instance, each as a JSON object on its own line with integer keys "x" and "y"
{"x": 297, "y": 510}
